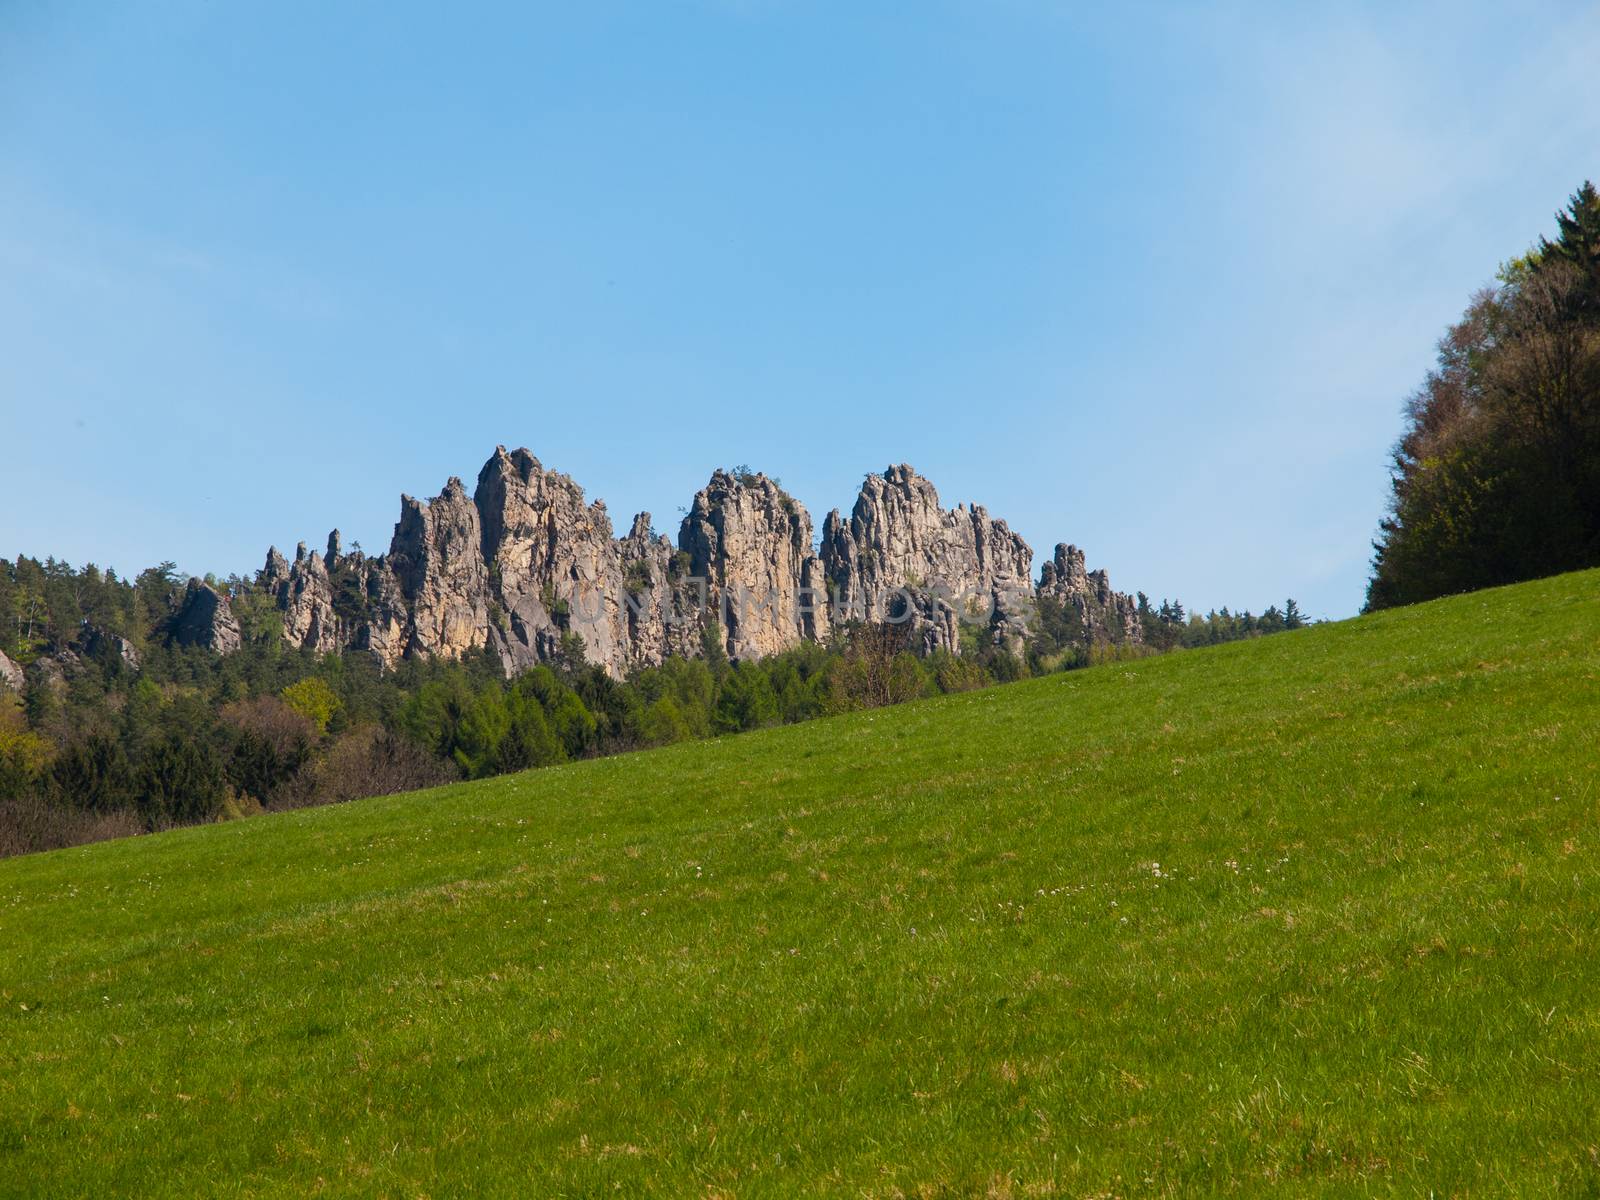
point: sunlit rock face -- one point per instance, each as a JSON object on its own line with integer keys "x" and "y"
{"x": 1107, "y": 615}
{"x": 751, "y": 542}
{"x": 529, "y": 568}
{"x": 902, "y": 553}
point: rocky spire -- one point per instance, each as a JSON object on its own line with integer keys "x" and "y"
{"x": 902, "y": 556}
{"x": 1107, "y": 615}
{"x": 751, "y": 542}
{"x": 204, "y": 619}
{"x": 437, "y": 559}
{"x": 526, "y": 563}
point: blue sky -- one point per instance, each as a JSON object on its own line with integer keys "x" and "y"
{"x": 1154, "y": 280}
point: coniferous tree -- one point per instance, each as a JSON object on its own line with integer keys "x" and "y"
{"x": 1578, "y": 244}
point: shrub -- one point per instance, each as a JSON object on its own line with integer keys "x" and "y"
{"x": 366, "y": 761}
{"x": 30, "y": 824}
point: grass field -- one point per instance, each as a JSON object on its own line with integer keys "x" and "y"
{"x": 1318, "y": 912}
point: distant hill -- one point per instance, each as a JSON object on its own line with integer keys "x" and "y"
{"x": 1316, "y": 912}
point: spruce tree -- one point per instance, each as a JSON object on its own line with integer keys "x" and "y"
{"x": 1578, "y": 244}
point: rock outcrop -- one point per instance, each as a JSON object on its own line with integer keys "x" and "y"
{"x": 552, "y": 566}
{"x": 751, "y": 542}
{"x": 305, "y": 599}
{"x": 437, "y": 560}
{"x": 10, "y": 674}
{"x": 204, "y": 619}
{"x": 526, "y": 566}
{"x": 903, "y": 557}
{"x": 1107, "y": 615}
{"x": 105, "y": 646}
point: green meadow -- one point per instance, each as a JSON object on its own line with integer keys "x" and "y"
{"x": 1317, "y": 913}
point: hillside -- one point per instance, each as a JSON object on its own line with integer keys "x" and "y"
{"x": 1317, "y": 909}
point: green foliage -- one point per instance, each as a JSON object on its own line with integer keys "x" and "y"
{"x": 1497, "y": 475}
{"x": 1577, "y": 246}
{"x": 24, "y": 754}
{"x": 483, "y": 726}
{"x": 92, "y": 773}
{"x": 714, "y": 649}
{"x": 528, "y": 740}
{"x": 180, "y": 782}
{"x": 662, "y": 723}
{"x": 572, "y": 724}
{"x": 314, "y": 700}
{"x": 745, "y": 700}
{"x": 636, "y": 578}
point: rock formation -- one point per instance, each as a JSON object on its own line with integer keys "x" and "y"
{"x": 1107, "y": 615}
{"x": 552, "y": 565}
{"x": 204, "y": 619}
{"x": 305, "y": 599}
{"x": 526, "y": 566}
{"x": 104, "y": 645}
{"x": 10, "y": 674}
{"x": 751, "y": 542}
{"x": 903, "y": 557}
{"x": 437, "y": 559}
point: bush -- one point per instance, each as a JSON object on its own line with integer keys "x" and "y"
{"x": 745, "y": 701}
{"x": 24, "y": 755}
{"x": 30, "y": 824}
{"x": 270, "y": 742}
{"x": 367, "y": 761}
{"x": 875, "y": 670}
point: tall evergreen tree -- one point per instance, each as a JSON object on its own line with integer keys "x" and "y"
{"x": 1578, "y": 243}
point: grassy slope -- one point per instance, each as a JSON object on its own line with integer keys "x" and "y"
{"x": 921, "y": 950}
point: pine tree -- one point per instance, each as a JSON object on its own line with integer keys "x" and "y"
{"x": 1578, "y": 244}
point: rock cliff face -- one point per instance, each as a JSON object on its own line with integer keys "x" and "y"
{"x": 526, "y": 565}
{"x": 751, "y": 542}
{"x": 1107, "y": 615}
{"x": 901, "y": 553}
{"x": 204, "y": 619}
{"x": 437, "y": 559}
{"x": 305, "y": 599}
{"x": 10, "y": 674}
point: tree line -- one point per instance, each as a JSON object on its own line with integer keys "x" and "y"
{"x": 119, "y": 730}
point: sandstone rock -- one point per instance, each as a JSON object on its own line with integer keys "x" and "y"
{"x": 527, "y": 563}
{"x": 665, "y": 609}
{"x": 10, "y": 674}
{"x": 552, "y": 563}
{"x": 101, "y": 644}
{"x": 1107, "y": 615}
{"x": 305, "y": 599}
{"x": 204, "y": 619}
{"x": 751, "y": 541}
{"x": 386, "y": 630}
{"x": 902, "y": 557}
{"x": 437, "y": 558}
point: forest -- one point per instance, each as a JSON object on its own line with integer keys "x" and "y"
{"x": 117, "y": 728}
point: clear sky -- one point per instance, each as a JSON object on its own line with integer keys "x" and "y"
{"x": 1152, "y": 279}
